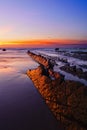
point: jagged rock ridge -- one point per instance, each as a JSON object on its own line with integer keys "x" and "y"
{"x": 66, "y": 99}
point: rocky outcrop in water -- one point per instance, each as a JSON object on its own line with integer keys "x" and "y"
{"x": 78, "y": 54}
{"x": 3, "y": 49}
{"x": 74, "y": 71}
{"x": 66, "y": 99}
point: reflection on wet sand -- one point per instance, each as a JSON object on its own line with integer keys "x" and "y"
{"x": 21, "y": 106}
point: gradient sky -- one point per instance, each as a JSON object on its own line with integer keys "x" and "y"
{"x": 43, "y": 19}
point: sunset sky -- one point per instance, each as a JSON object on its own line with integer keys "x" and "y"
{"x": 36, "y": 22}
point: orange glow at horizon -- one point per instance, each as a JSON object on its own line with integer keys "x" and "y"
{"x": 39, "y": 43}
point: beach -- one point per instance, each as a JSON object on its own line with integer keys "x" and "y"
{"x": 65, "y": 98}
{"x": 35, "y": 93}
{"x": 43, "y": 64}
{"x": 21, "y": 105}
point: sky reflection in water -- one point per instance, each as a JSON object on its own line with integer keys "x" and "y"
{"x": 21, "y": 106}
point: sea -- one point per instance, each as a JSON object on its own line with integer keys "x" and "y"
{"x": 21, "y": 105}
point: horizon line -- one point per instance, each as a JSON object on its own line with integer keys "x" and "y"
{"x": 40, "y": 42}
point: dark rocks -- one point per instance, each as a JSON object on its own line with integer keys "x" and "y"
{"x": 75, "y": 71}
{"x": 56, "y": 49}
{"x": 77, "y": 54}
{"x": 3, "y": 49}
{"x": 64, "y": 60}
{"x": 84, "y": 66}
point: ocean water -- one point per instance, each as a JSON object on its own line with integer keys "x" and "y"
{"x": 21, "y": 106}
{"x": 73, "y": 61}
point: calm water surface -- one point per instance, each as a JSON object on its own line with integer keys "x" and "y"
{"x": 21, "y": 106}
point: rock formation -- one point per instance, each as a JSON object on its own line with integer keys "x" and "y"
{"x": 66, "y": 99}
{"x": 3, "y": 49}
{"x": 75, "y": 71}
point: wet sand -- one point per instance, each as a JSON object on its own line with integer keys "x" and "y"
{"x": 21, "y": 106}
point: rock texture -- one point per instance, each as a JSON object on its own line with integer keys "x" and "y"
{"x": 77, "y": 54}
{"x": 66, "y": 99}
{"x": 75, "y": 71}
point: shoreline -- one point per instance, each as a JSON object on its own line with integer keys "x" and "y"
{"x": 66, "y": 99}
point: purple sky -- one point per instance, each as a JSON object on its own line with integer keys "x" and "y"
{"x": 43, "y": 19}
